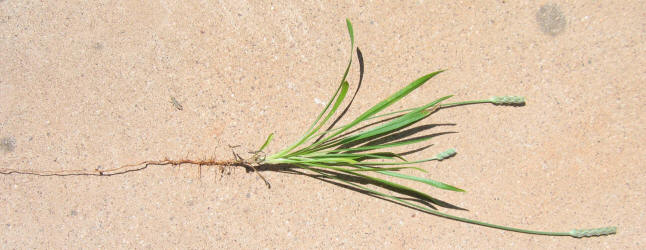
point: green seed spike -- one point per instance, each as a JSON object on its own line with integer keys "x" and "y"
{"x": 496, "y": 100}
{"x": 507, "y": 100}
{"x": 446, "y": 154}
{"x": 579, "y": 233}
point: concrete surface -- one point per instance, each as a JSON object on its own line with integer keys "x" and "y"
{"x": 87, "y": 85}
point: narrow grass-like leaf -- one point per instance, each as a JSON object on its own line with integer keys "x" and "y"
{"x": 434, "y": 183}
{"x": 394, "y": 125}
{"x": 264, "y": 145}
{"x": 338, "y": 118}
{"x": 343, "y": 81}
{"x": 611, "y": 230}
{"x": 339, "y": 100}
{"x": 423, "y": 180}
{"x": 398, "y": 163}
{"x": 379, "y": 181}
{"x": 399, "y": 122}
{"x": 341, "y": 95}
{"x": 331, "y": 160}
{"x": 373, "y": 169}
{"x": 391, "y": 184}
{"x": 316, "y": 121}
{"x": 351, "y": 33}
{"x": 382, "y": 105}
{"x": 381, "y": 146}
{"x": 377, "y": 155}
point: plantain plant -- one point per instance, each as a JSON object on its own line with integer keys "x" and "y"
{"x": 357, "y": 157}
{"x": 356, "y": 154}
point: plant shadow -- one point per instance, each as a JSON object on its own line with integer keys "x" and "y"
{"x": 432, "y": 203}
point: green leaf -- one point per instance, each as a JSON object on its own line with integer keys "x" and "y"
{"x": 391, "y": 184}
{"x": 377, "y": 155}
{"x": 385, "y": 169}
{"x": 343, "y": 81}
{"x": 445, "y": 215}
{"x": 264, "y": 145}
{"x": 423, "y": 180}
{"x": 398, "y": 163}
{"x": 392, "y": 126}
{"x": 341, "y": 95}
{"x": 350, "y": 30}
{"x": 331, "y": 160}
{"x": 434, "y": 183}
{"x": 382, "y": 105}
{"x": 388, "y": 145}
{"x": 344, "y": 91}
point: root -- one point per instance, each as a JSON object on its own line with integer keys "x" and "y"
{"x": 120, "y": 170}
{"x": 138, "y": 167}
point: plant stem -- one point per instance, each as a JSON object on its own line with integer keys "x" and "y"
{"x": 464, "y": 103}
{"x": 574, "y": 233}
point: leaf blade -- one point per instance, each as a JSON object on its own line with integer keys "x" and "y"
{"x": 387, "y": 102}
{"x": 264, "y": 145}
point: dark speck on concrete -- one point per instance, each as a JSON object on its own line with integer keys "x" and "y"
{"x": 73, "y": 213}
{"x": 98, "y": 46}
{"x": 551, "y": 19}
{"x": 8, "y": 144}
